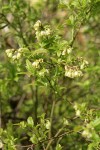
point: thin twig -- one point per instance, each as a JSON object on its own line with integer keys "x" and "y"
{"x": 81, "y": 22}
{"x": 51, "y": 117}
{"x": 0, "y": 113}
{"x": 20, "y": 103}
{"x": 36, "y": 104}
{"x": 43, "y": 141}
{"x": 57, "y": 135}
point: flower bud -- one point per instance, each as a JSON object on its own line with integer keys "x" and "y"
{"x": 14, "y": 57}
{"x": 48, "y": 124}
{"x": 69, "y": 50}
{"x": 78, "y": 112}
{"x": 65, "y": 121}
{"x": 48, "y": 31}
{"x": 8, "y": 50}
{"x": 64, "y": 52}
{"x": 18, "y": 55}
{"x": 1, "y": 144}
{"x": 9, "y": 55}
{"x": 86, "y": 134}
{"x": 37, "y": 25}
{"x": 35, "y": 64}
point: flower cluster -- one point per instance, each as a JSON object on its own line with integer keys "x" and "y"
{"x": 67, "y": 51}
{"x": 36, "y": 63}
{"x": 14, "y": 54}
{"x": 37, "y": 25}
{"x": 40, "y": 31}
{"x": 87, "y": 132}
{"x": 82, "y": 63}
{"x": 78, "y": 112}
{"x": 65, "y": 122}
{"x": 72, "y": 71}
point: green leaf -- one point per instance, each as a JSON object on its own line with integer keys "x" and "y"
{"x": 96, "y": 122}
{"x": 70, "y": 21}
{"x": 39, "y": 51}
{"x": 58, "y": 147}
{"x": 77, "y": 128}
{"x": 22, "y": 124}
{"x": 34, "y": 139}
{"x": 84, "y": 2}
{"x": 96, "y": 8}
{"x": 91, "y": 146}
{"x": 30, "y": 121}
{"x": 29, "y": 66}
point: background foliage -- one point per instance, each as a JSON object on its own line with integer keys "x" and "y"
{"x": 49, "y": 74}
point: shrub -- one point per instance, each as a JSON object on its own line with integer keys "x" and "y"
{"x": 49, "y": 81}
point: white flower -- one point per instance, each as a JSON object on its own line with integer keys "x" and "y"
{"x": 72, "y": 74}
{"x": 35, "y": 64}
{"x": 40, "y": 60}
{"x": 48, "y": 32}
{"x": 20, "y": 50}
{"x": 86, "y": 134}
{"x": 38, "y": 35}
{"x": 75, "y": 106}
{"x": 14, "y": 57}
{"x": 9, "y": 55}
{"x": 37, "y": 25}
{"x": 69, "y": 50}
{"x": 82, "y": 66}
{"x": 78, "y": 112}
{"x": 41, "y": 73}
{"x": 1, "y": 144}
{"x": 86, "y": 62}
{"x": 76, "y": 73}
{"x": 64, "y": 52}
{"x": 48, "y": 124}
{"x": 45, "y": 33}
{"x": 66, "y": 67}
{"x": 80, "y": 73}
{"x": 8, "y": 51}
{"x": 18, "y": 55}
{"x": 67, "y": 73}
{"x": 42, "y": 33}
{"x": 65, "y": 121}
{"x": 89, "y": 126}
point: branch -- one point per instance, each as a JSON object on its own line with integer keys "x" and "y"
{"x": 0, "y": 113}
{"x": 3, "y": 26}
{"x": 51, "y": 117}
{"x": 36, "y": 105}
{"x": 81, "y": 22}
{"x": 53, "y": 138}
